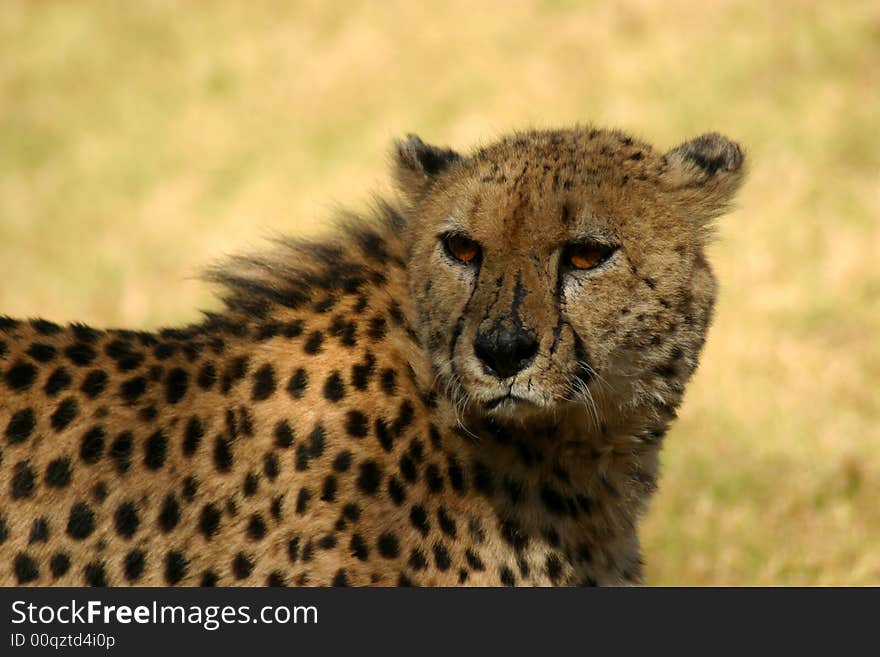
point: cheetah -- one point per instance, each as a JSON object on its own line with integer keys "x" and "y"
{"x": 469, "y": 385}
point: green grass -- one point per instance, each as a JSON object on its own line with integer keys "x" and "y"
{"x": 140, "y": 142}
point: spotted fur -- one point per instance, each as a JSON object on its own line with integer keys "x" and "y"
{"x": 334, "y": 425}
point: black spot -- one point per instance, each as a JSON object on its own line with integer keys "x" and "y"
{"x": 192, "y": 350}
{"x": 369, "y": 477}
{"x": 408, "y": 468}
{"x": 20, "y": 426}
{"x": 264, "y": 383}
{"x": 474, "y": 560}
{"x": 23, "y": 480}
{"x": 59, "y": 564}
{"x": 299, "y": 380}
{"x": 92, "y": 446}
{"x": 388, "y": 381}
{"x": 126, "y": 358}
{"x": 456, "y": 474}
{"x": 514, "y": 535}
{"x": 396, "y": 491}
{"x": 275, "y": 506}
{"x": 45, "y": 327}
{"x": 417, "y": 560}
{"x": 39, "y": 531}
{"x": 100, "y": 491}
{"x": 81, "y": 522}
{"x": 433, "y": 478}
{"x": 388, "y": 545}
{"x": 327, "y": 542}
{"x": 447, "y": 524}
{"x": 57, "y": 382}
{"x": 192, "y": 436}
{"x": 155, "y": 450}
{"x": 514, "y": 489}
{"x": 120, "y": 451}
{"x": 356, "y": 424}
{"x": 207, "y": 376}
{"x": 231, "y": 423}
{"x": 436, "y": 441}
{"x": 132, "y": 389}
{"x": 41, "y": 352}
{"x": 234, "y": 372}
{"x": 361, "y": 372}
{"x": 58, "y": 473}
{"x": 553, "y": 567}
{"x": 293, "y": 329}
{"x": 313, "y": 343}
{"x": 176, "y": 565}
{"x": 209, "y": 579}
{"x": 148, "y": 413}
{"x": 359, "y": 547}
{"x": 65, "y": 414}
{"x": 222, "y": 454}
{"x": 256, "y": 528}
{"x": 334, "y": 388}
{"x": 302, "y": 500}
{"x": 94, "y": 383}
{"x": 126, "y": 519}
{"x": 94, "y": 574}
{"x": 164, "y": 350}
{"x": 209, "y": 521}
{"x": 251, "y": 481}
{"x": 507, "y": 576}
{"x": 342, "y": 461}
{"x": 276, "y": 579}
{"x": 378, "y": 328}
{"x": 483, "y": 478}
{"x": 293, "y": 549}
{"x": 316, "y": 441}
{"x": 242, "y": 566}
{"x": 441, "y": 557}
{"x": 418, "y": 517}
{"x": 283, "y": 434}
{"x": 169, "y": 514}
{"x": 190, "y": 488}
{"x": 270, "y": 466}
{"x": 133, "y": 565}
{"x": 175, "y": 385}
{"x": 4, "y": 527}
{"x": 339, "y": 579}
{"x": 80, "y": 354}
{"x": 553, "y": 500}
{"x": 384, "y": 435}
{"x": 404, "y": 417}
{"x": 328, "y": 490}
{"x": 302, "y": 457}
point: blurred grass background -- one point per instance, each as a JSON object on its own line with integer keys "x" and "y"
{"x": 141, "y": 141}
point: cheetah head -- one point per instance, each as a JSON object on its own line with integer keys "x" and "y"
{"x": 560, "y": 268}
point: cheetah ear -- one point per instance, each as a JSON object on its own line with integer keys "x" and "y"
{"x": 417, "y": 164}
{"x": 704, "y": 175}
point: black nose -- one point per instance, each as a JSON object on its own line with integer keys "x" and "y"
{"x": 505, "y": 352}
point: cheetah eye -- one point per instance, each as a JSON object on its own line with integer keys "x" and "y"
{"x": 586, "y": 255}
{"x": 461, "y": 248}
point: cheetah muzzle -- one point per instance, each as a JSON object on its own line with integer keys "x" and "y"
{"x": 470, "y": 386}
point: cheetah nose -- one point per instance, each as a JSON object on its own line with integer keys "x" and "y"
{"x": 504, "y": 353}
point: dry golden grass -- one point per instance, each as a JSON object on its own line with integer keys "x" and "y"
{"x": 140, "y": 141}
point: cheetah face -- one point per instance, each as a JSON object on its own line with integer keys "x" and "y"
{"x": 554, "y": 268}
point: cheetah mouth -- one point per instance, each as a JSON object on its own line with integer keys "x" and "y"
{"x": 508, "y": 401}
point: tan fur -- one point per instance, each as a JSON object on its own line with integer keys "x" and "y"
{"x": 543, "y": 488}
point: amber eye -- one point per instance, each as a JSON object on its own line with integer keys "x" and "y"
{"x": 462, "y": 248}
{"x": 586, "y": 255}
